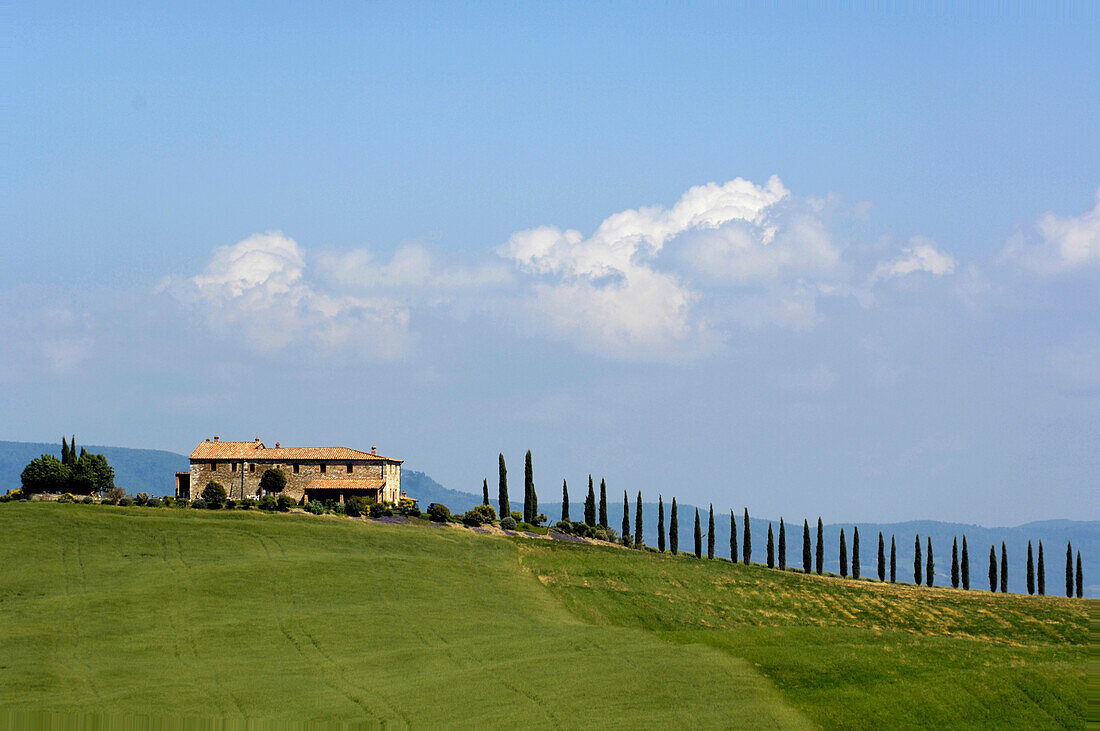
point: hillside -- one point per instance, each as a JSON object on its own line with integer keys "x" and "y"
{"x": 138, "y": 470}
{"x": 167, "y": 613}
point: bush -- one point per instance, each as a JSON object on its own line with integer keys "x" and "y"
{"x": 563, "y": 526}
{"x": 153, "y": 502}
{"x": 126, "y": 502}
{"x": 272, "y": 481}
{"x": 540, "y": 519}
{"x": 88, "y": 500}
{"x": 284, "y": 502}
{"x": 213, "y": 495}
{"x": 66, "y": 498}
{"x": 517, "y": 516}
{"x": 411, "y": 510}
{"x": 357, "y": 505}
{"x": 268, "y": 503}
{"x": 199, "y": 504}
{"x": 141, "y": 499}
{"x": 112, "y": 496}
{"x": 246, "y": 503}
{"x": 340, "y": 509}
{"x": 315, "y": 507}
{"x": 5, "y": 498}
{"x": 599, "y": 533}
{"x": 381, "y": 510}
{"x": 230, "y": 504}
{"x": 439, "y": 513}
{"x": 509, "y": 523}
{"x": 480, "y": 515}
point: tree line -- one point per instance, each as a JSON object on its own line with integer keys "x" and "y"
{"x": 77, "y": 474}
{"x": 813, "y": 558}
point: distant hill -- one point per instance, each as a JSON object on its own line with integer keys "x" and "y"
{"x": 137, "y": 470}
{"x": 151, "y": 471}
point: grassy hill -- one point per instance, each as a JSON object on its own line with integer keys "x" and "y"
{"x": 111, "y": 612}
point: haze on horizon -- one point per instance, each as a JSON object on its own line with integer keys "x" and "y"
{"x": 812, "y": 262}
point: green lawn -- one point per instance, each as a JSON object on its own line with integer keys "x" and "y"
{"x": 112, "y": 612}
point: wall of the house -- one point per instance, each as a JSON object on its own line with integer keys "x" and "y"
{"x": 245, "y": 480}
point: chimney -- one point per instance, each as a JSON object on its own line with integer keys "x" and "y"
{"x": 278, "y": 445}
{"x": 208, "y": 439}
{"x": 256, "y": 439}
{"x": 373, "y": 449}
{"x": 215, "y": 437}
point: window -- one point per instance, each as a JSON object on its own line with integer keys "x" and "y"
{"x": 296, "y": 466}
{"x": 323, "y": 468}
{"x": 213, "y": 466}
{"x": 349, "y": 469}
{"x": 234, "y": 466}
{"x": 251, "y": 466}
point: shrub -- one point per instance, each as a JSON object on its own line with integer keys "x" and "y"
{"x": 213, "y": 495}
{"x": 88, "y": 500}
{"x": 381, "y": 510}
{"x": 246, "y": 503}
{"x": 112, "y": 496}
{"x": 126, "y": 502}
{"x": 154, "y": 502}
{"x": 599, "y": 533}
{"x": 284, "y": 503}
{"x": 199, "y": 504}
{"x": 517, "y": 516}
{"x": 315, "y": 507}
{"x": 439, "y": 513}
{"x": 5, "y": 498}
{"x": 230, "y": 504}
{"x": 480, "y": 515}
{"x": 268, "y": 503}
{"x": 357, "y": 505}
{"x": 509, "y": 523}
{"x": 272, "y": 481}
{"x": 541, "y": 518}
{"x": 340, "y": 509}
{"x": 410, "y": 510}
{"x": 181, "y": 502}
{"x": 66, "y": 498}
{"x": 563, "y": 526}
{"x": 141, "y": 499}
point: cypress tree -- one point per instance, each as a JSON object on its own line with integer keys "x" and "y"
{"x": 747, "y": 545}
{"x": 881, "y": 558}
{"x": 893, "y": 560}
{"x": 590, "y": 505}
{"x": 955, "y": 563}
{"x": 1004, "y": 568}
{"x": 64, "y": 451}
{"x": 1030, "y": 570}
{"x": 698, "y": 536}
{"x": 771, "y": 548}
{"x": 733, "y": 538}
{"x": 965, "y": 567}
{"x": 83, "y": 452}
{"x": 843, "y": 555}
{"x": 1069, "y": 570}
{"x": 485, "y": 491}
{"x": 807, "y": 565}
{"x": 1080, "y": 577}
{"x": 638, "y": 542}
{"x": 1042, "y": 574}
{"x": 673, "y": 530}
{"x": 992, "y": 569}
{"x": 782, "y": 546}
{"x": 820, "y": 547}
{"x": 660, "y": 524}
{"x": 626, "y": 518}
{"x": 710, "y": 533}
{"x": 530, "y": 502}
{"x": 72, "y": 450}
{"x": 502, "y": 490}
{"x": 930, "y": 568}
{"x": 564, "y": 502}
{"x": 916, "y": 561}
{"x": 855, "y": 552}
{"x": 603, "y": 503}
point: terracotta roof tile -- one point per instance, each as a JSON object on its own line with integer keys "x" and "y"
{"x": 337, "y": 483}
{"x": 257, "y": 451}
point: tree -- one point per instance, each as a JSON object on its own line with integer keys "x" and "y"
{"x": 771, "y": 548}
{"x": 916, "y": 561}
{"x": 807, "y": 566}
{"x": 564, "y": 502}
{"x": 626, "y": 518}
{"x": 272, "y": 481}
{"x": 502, "y": 490}
{"x": 893, "y": 560}
{"x": 45, "y": 474}
{"x": 72, "y": 450}
{"x": 964, "y": 566}
{"x": 843, "y": 555}
{"x": 881, "y": 558}
{"x": 733, "y": 538}
{"x": 955, "y": 563}
{"x": 1030, "y": 570}
{"x": 930, "y": 568}
{"x": 855, "y": 552}
{"x": 590, "y": 505}
{"x": 782, "y": 546}
{"x": 530, "y": 501}
{"x": 1042, "y": 574}
{"x": 673, "y": 530}
{"x": 698, "y": 536}
{"x": 1004, "y": 568}
{"x": 992, "y": 569}
{"x": 820, "y": 547}
{"x": 1080, "y": 577}
{"x": 746, "y": 548}
{"x": 214, "y": 494}
{"x": 485, "y": 491}
{"x": 64, "y": 451}
{"x": 90, "y": 473}
{"x": 710, "y": 533}
{"x": 638, "y": 542}
{"x": 603, "y": 502}
{"x": 660, "y": 524}
{"x": 1069, "y": 569}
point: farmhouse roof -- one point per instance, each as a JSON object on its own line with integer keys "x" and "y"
{"x": 338, "y": 483}
{"x": 256, "y": 450}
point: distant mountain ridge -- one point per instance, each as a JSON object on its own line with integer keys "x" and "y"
{"x": 152, "y": 471}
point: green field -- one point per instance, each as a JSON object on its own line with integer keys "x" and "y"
{"x": 163, "y": 613}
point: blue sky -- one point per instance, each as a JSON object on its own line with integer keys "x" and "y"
{"x": 813, "y": 261}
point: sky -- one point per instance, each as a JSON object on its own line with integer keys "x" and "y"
{"x": 805, "y": 259}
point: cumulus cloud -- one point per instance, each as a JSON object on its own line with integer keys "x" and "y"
{"x": 411, "y": 266}
{"x": 920, "y": 256}
{"x": 1065, "y": 243}
{"x": 258, "y": 287}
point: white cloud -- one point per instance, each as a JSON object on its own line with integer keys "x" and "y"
{"x": 1067, "y": 243}
{"x": 411, "y": 266}
{"x": 920, "y": 256}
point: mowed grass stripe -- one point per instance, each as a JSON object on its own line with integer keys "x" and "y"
{"x": 192, "y": 614}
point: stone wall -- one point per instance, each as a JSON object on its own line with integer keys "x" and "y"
{"x": 244, "y": 481}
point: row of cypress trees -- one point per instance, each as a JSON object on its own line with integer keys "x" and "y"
{"x": 923, "y": 567}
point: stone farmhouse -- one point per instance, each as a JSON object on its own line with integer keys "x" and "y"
{"x": 313, "y": 473}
